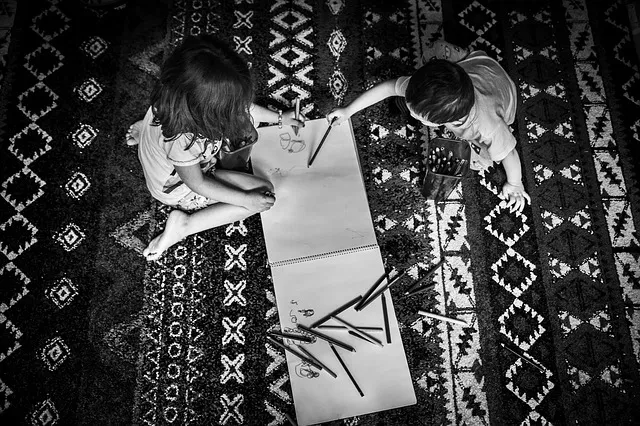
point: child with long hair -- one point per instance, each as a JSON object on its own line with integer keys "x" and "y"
{"x": 471, "y": 95}
{"x": 200, "y": 126}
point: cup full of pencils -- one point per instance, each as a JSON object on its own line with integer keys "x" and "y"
{"x": 447, "y": 163}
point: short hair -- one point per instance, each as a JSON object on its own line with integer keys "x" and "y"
{"x": 441, "y": 91}
{"x": 205, "y": 89}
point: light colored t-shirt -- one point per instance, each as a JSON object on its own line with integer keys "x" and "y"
{"x": 158, "y": 158}
{"x": 487, "y": 125}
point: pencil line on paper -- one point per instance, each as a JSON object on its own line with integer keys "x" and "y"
{"x": 326, "y": 338}
{"x": 385, "y": 315}
{"x": 353, "y": 380}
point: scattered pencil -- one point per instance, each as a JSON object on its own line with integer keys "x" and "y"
{"x": 378, "y": 292}
{"x": 342, "y": 327}
{"x": 372, "y": 288}
{"x": 442, "y": 318}
{"x": 385, "y": 314}
{"x": 336, "y": 312}
{"x": 322, "y": 142}
{"x": 420, "y": 290}
{"x": 426, "y": 277}
{"x": 295, "y": 128}
{"x": 294, "y": 352}
{"x": 526, "y": 358}
{"x": 292, "y": 336}
{"x": 324, "y": 367}
{"x": 361, "y": 333}
{"x": 293, "y": 422}
{"x": 347, "y": 370}
{"x": 327, "y": 338}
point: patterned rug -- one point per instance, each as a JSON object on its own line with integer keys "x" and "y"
{"x": 90, "y": 333}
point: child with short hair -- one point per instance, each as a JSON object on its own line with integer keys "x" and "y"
{"x": 472, "y": 96}
{"x": 201, "y": 118}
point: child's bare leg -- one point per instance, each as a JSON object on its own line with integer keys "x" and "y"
{"x": 133, "y": 133}
{"x": 180, "y": 225}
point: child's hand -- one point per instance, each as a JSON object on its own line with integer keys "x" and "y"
{"x": 516, "y": 195}
{"x": 289, "y": 118}
{"x": 339, "y": 115}
{"x": 259, "y": 200}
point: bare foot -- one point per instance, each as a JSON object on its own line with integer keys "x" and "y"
{"x": 173, "y": 232}
{"x": 133, "y": 133}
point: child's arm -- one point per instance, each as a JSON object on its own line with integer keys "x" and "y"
{"x": 374, "y": 95}
{"x": 513, "y": 189}
{"x": 255, "y": 201}
{"x": 261, "y": 114}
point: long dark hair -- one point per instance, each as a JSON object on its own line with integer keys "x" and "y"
{"x": 441, "y": 91}
{"x": 205, "y": 89}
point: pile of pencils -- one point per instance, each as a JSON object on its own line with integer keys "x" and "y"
{"x": 444, "y": 162}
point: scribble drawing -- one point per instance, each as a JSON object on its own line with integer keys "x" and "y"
{"x": 291, "y": 145}
{"x": 306, "y": 312}
{"x": 304, "y": 370}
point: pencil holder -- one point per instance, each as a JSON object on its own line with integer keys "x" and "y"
{"x": 447, "y": 163}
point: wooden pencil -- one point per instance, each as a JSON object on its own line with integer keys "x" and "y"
{"x": 420, "y": 290}
{"x": 293, "y": 422}
{"x": 307, "y": 353}
{"x": 327, "y": 338}
{"x": 342, "y": 327}
{"x": 372, "y": 288}
{"x": 427, "y": 276}
{"x": 526, "y": 358}
{"x": 378, "y": 292}
{"x": 347, "y": 370}
{"x": 442, "y": 318}
{"x": 294, "y": 352}
{"x": 385, "y": 315}
{"x": 313, "y": 157}
{"x": 366, "y": 336}
{"x": 292, "y": 336}
{"x": 336, "y": 311}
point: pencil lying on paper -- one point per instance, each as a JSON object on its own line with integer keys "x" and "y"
{"x": 361, "y": 333}
{"x": 423, "y": 279}
{"x": 295, "y": 128}
{"x": 526, "y": 358}
{"x": 322, "y": 141}
{"x": 326, "y": 338}
{"x": 378, "y": 292}
{"x": 346, "y": 369}
{"x": 292, "y": 336}
{"x": 307, "y": 353}
{"x": 442, "y": 318}
{"x": 335, "y": 312}
{"x": 294, "y": 352}
{"x": 385, "y": 314}
{"x": 372, "y": 288}
{"x": 342, "y": 327}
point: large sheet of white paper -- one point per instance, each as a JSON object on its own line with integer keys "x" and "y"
{"x": 317, "y": 209}
{"x": 323, "y": 252}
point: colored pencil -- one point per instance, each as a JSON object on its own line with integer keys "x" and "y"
{"x": 385, "y": 314}
{"x": 372, "y": 288}
{"x": 294, "y": 352}
{"x": 292, "y": 336}
{"x": 295, "y": 128}
{"x": 326, "y": 338}
{"x": 346, "y": 369}
{"x": 335, "y": 312}
{"x": 307, "y": 353}
{"x": 322, "y": 142}
{"x": 420, "y": 290}
{"x": 341, "y": 327}
{"x": 293, "y": 422}
{"x": 378, "y": 292}
{"x": 442, "y": 318}
{"x": 427, "y": 276}
{"x": 366, "y": 336}
{"x": 526, "y": 358}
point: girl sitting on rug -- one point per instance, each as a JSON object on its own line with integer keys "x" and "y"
{"x": 471, "y": 95}
{"x": 199, "y": 126}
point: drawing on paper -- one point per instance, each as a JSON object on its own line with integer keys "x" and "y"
{"x": 293, "y": 146}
